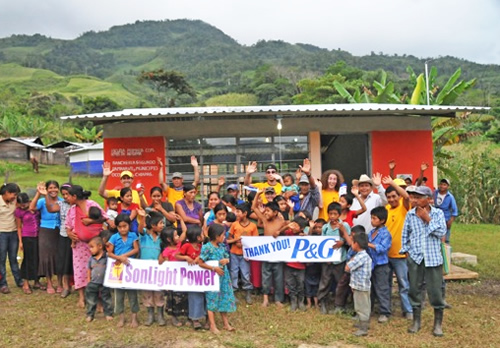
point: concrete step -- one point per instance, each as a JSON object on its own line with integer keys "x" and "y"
{"x": 458, "y": 258}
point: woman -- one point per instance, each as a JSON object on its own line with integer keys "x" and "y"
{"x": 159, "y": 206}
{"x": 331, "y": 181}
{"x": 48, "y": 236}
{"x": 213, "y": 200}
{"x": 81, "y": 229}
{"x": 190, "y": 211}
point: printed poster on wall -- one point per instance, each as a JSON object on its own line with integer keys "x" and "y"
{"x": 138, "y": 155}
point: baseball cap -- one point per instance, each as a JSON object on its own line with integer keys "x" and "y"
{"x": 365, "y": 178}
{"x": 411, "y": 189}
{"x": 233, "y": 187}
{"x": 400, "y": 182}
{"x": 269, "y": 189}
{"x": 271, "y": 166}
{"x": 126, "y": 173}
{"x": 446, "y": 181}
{"x": 424, "y": 191}
{"x": 177, "y": 175}
{"x": 304, "y": 179}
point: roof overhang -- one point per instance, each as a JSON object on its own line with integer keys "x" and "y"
{"x": 285, "y": 111}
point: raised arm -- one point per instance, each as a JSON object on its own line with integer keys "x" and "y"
{"x": 255, "y": 205}
{"x": 355, "y": 192}
{"x": 306, "y": 169}
{"x": 392, "y": 166}
{"x": 377, "y": 182}
{"x": 40, "y": 191}
{"x": 423, "y": 167}
{"x": 161, "y": 175}
{"x": 406, "y": 198}
{"x": 251, "y": 168}
{"x": 196, "y": 170}
{"x": 106, "y": 172}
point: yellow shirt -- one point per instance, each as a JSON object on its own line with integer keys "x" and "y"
{"x": 395, "y": 221}
{"x": 7, "y": 218}
{"x": 328, "y": 197}
{"x": 263, "y": 185}
{"x": 135, "y": 196}
{"x": 175, "y": 195}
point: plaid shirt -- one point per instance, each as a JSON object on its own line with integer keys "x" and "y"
{"x": 361, "y": 271}
{"x": 382, "y": 242}
{"x": 423, "y": 241}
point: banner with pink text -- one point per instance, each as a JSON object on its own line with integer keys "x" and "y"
{"x": 292, "y": 248}
{"x": 149, "y": 275}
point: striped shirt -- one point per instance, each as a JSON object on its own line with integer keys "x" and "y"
{"x": 423, "y": 241}
{"x": 361, "y": 271}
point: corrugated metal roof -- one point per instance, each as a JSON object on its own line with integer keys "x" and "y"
{"x": 30, "y": 142}
{"x": 98, "y": 146}
{"x": 313, "y": 110}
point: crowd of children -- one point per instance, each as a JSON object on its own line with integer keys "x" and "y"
{"x": 377, "y": 234}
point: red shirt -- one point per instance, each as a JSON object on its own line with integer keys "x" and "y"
{"x": 188, "y": 250}
{"x": 296, "y": 265}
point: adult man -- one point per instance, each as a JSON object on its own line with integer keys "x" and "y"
{"x": 272, "y": 178}
{"x": 176, "y": 192}
{"x": 309, "y": 194}
{"x": 234, "y": 191}
{"x": 126, "y": 179}
{"x": 422, "y": 232}
{"x": 371, "y": 200}
{"x": 444, "y": 200}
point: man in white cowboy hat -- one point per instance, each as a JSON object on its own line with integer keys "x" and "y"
{"x": 371, "y": 199}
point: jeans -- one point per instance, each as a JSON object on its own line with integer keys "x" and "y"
{"x": 329, "y": 273}
{"x": 273, "y": 271}
{"x": 92, "y": 291}
{"x": 239, "y": 264}
{"x": 380, "y": 289}
{"x": 294, "y": 279}
{"x": 400, "y": 268}
{"x": 9, "y": 244}
{"x": 447, "y": 236}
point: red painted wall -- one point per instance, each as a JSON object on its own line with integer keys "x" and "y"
{"x": 408, "y": 148}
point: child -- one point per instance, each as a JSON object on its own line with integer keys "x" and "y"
{"x": 222, "y": 301}
{"x": 313, "y": 270}
{"x": 360, "y": 267}
{"x": 379, "y": 243}
{"x": 333, "y": 270}
{"x": 96, "y": 270}
{"x": 242, "y": 227}
{"x": 295, "y": 271}
{"x": 27, "y": 232}
{"x": 177, "y": 304}
{"x": 346, "y": 202}
{"x": 93, "y": 229}
{"x": 189, "y": 252}
{"x": 271, "y": 271}
{"x": 123, "y": 245}
{"x": 285, "y": 210}
{"x": 290, "y": 190}
{"x": 220, "y": 211}
{"x": 112, "y": 203}
{"x": 150, "y": 249}
{"x": 126, "y": 206}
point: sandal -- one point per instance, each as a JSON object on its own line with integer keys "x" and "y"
{"x": 59, "y": 289}
{"x": 65, "y": 293}
{"x": 39, "y": 287}
{"x": 27, "y": 291}
{"x": 197, "y": 325}
{"x": 51, "y": 291}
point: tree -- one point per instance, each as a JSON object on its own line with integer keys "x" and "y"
{"x": 89, "y": 135}
{"x": 166, "y": 81}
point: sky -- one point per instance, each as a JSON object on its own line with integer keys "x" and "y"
{"x": 468, "y": 29}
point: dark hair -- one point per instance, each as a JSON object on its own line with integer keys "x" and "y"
{"x": 320, "y": 221}
{"x": 335, "y": 206}
{"x": 324, "y": 178}
{"x": 51, "y": 182}
{"x": 77, "y": 190}
{"x": 23, "y": 198}
{"x": 301, "y": 222}
{"x": 231, "y": 217}
{"x": 287, "y": 175}
{"x": 213, "y": 193}
{"x": 306, "y": 214}
{"x": 349, "y": 198}
{"x": 219, "y": 207}
{"x": 193, "y": 232}
{"x": 122, "y": 218}
{"x": 358, "y": 229}
{"x": 124, "y": 191}
{"x": 188, "y": 187}
{"x": 279, "y": 198}
{"x": 251, "y": 196}
{"x": 152, "y": 219}
{"x": 105, "y": 235}
{"x": 154, "y": 189}
{"x": 95, "y": 213}
{"x": 244, "y": 208}
{"x": 380, "y": 212}
{"x": 391, "y": 189}
{"x": 229, "y": 199}
{"x": 273, "y": 206}
{"x": 10, "y": 188}
{"x": 110, "y": 200}
{"x": 97, "y": 240}
{"x": 66, "y": 186}
{"x": 167, "y": 236}
{"x": 361, "y": 239}
{"x": 214, "y": 231}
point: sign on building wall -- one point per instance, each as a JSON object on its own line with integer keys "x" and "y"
{"x": 138, "y": 155}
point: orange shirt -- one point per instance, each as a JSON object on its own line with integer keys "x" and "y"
{"x": 395, "y": 221}
{"x": 237, "y": 231}
{"x": 328, "y": 197}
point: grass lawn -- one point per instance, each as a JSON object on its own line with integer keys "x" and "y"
{"x": 41, "y": 319}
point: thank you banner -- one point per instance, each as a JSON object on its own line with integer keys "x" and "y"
{"x": 291, "y": 249}
{"x": 149, "y": 275}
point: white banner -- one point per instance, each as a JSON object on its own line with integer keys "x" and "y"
{"x": 291, "y": 249}
{"x": 149, "y": 275}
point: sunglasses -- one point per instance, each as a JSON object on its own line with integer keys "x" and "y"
{"x": 270, "y": 172}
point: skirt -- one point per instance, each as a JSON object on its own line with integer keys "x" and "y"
{"x": 176, "y": 303}
{"x": 64, "y": 256}
{"x": 29, "y": 267}
{"x": 81, "y": 256}
{"x": 47, "y": 249}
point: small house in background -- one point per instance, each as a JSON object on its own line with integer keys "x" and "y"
{"x": 87, "y": 160}
{"x": 61, "y": 150}
{"x": 17, "y": 149}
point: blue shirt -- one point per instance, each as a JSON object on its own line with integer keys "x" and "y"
{"x": 361, "y": 271}
{"x": 311, "y": 200}
{"x": 327, "y": 230}
{"x": 423, "y": 241}
{"x": 48, "y": 220}
{"x": 382, "y": 240}
{"x": 448, "y": 205}
{"x": 150, "y": 248}
{"x": 120, "y": 246}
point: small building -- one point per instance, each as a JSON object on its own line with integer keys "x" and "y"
{"x": 61, "y": 150}
{"x": 18, "y": 149}
{"x": 87, "y": 160}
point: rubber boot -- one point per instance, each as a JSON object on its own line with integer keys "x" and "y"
{"x": 363, "y": 328}
{"x": 248, "y": 297}
{"x": 151, "y": 316}
{"x": 160, "y": 319}
{"x": 323, "y": 307}
{"x": 415, "y": 327}
{"x": 302, "y": 306}
{"x": 438, "y": 321}
{"x": 293, "y": 303}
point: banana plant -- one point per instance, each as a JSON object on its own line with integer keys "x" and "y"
{"x": 91, "y": 135}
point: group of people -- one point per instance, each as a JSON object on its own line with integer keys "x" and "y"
{"x": 397, "y": 229}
